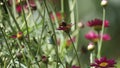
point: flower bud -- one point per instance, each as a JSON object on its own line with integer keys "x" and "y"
{"x": 80, "y": 25}
{"x": 91, "y": 47}
{"x": 104, "y": 3}
{"x": 19, "y": 55}
{"x": 44, "y": 59}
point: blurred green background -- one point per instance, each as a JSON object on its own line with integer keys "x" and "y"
{"x": 86, "y": 10}
{"x": 90, "y": 9}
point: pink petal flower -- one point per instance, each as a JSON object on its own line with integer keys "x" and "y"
{"x": 106, "y": 23}
{"x": 19, "y": 8}
{"x": 103, "y": 62}
{"x": 91, "y": 36}
{"x": 97, "y": 22}
{"x": 106, "y": 37}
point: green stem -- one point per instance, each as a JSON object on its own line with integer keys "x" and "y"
{"x": 11, "y": 25}
{"x": 4, "y": 64}
{"x": 25, "y": 22}
{"x": 30, "y": 52}
{"x": 56, "y": 48}
{"x": 74, "y": 49}
{"x": 91, "y": 57}
{"x": 19, "y": 44}
{"x": 46, "y": 65}
{"x": 62, "y": 6}
{"x": 8, "y": 46}
{"x": 10, "y": 13}
{"x": 101, "y": 35}
{"x": 19, "y": 64}
{"x": 76, "y": 14}
{"x": 32, "y": 14}
{"x": 43, "y": 28}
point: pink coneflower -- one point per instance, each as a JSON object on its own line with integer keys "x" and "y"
{"x": 97, "y": 24}
{"x": 64, "y": 26}
{"x": 106, "y": 37}
{"x": 103, "y": 62}
{"x": 94, "y": 37}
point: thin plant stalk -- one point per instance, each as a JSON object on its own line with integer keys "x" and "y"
{"x": 43, "y": 28}
{"x": 58, "y": 58}
{"x": 4, "y": 64}
{"x": 25, "y": 60}
{"x": 11, "y": 14}
{"x": 28, "y": 34}
{"x": 102, "y": 31}
{"x": 30, "y": 52}
{"x": 91, "y": 57}
{"x": 62, "y": 6}
{"x": 25, "y": 22}
{"x": 74, "y": 49}
{"x": 56, "y": 48}
{"x": 46, "y": 65}
{"x": 31, "y": 14}
{"x": 19, "y": 64}
{"x": 7, "y": 46}
{"x": 76, "y": 14}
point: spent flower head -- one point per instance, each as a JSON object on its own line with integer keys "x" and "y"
{"x": 44, "y": 59}
{"x": 103, "y": 62}
{"x": 19, "y": 35}
{"x": 65, "y": 27}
